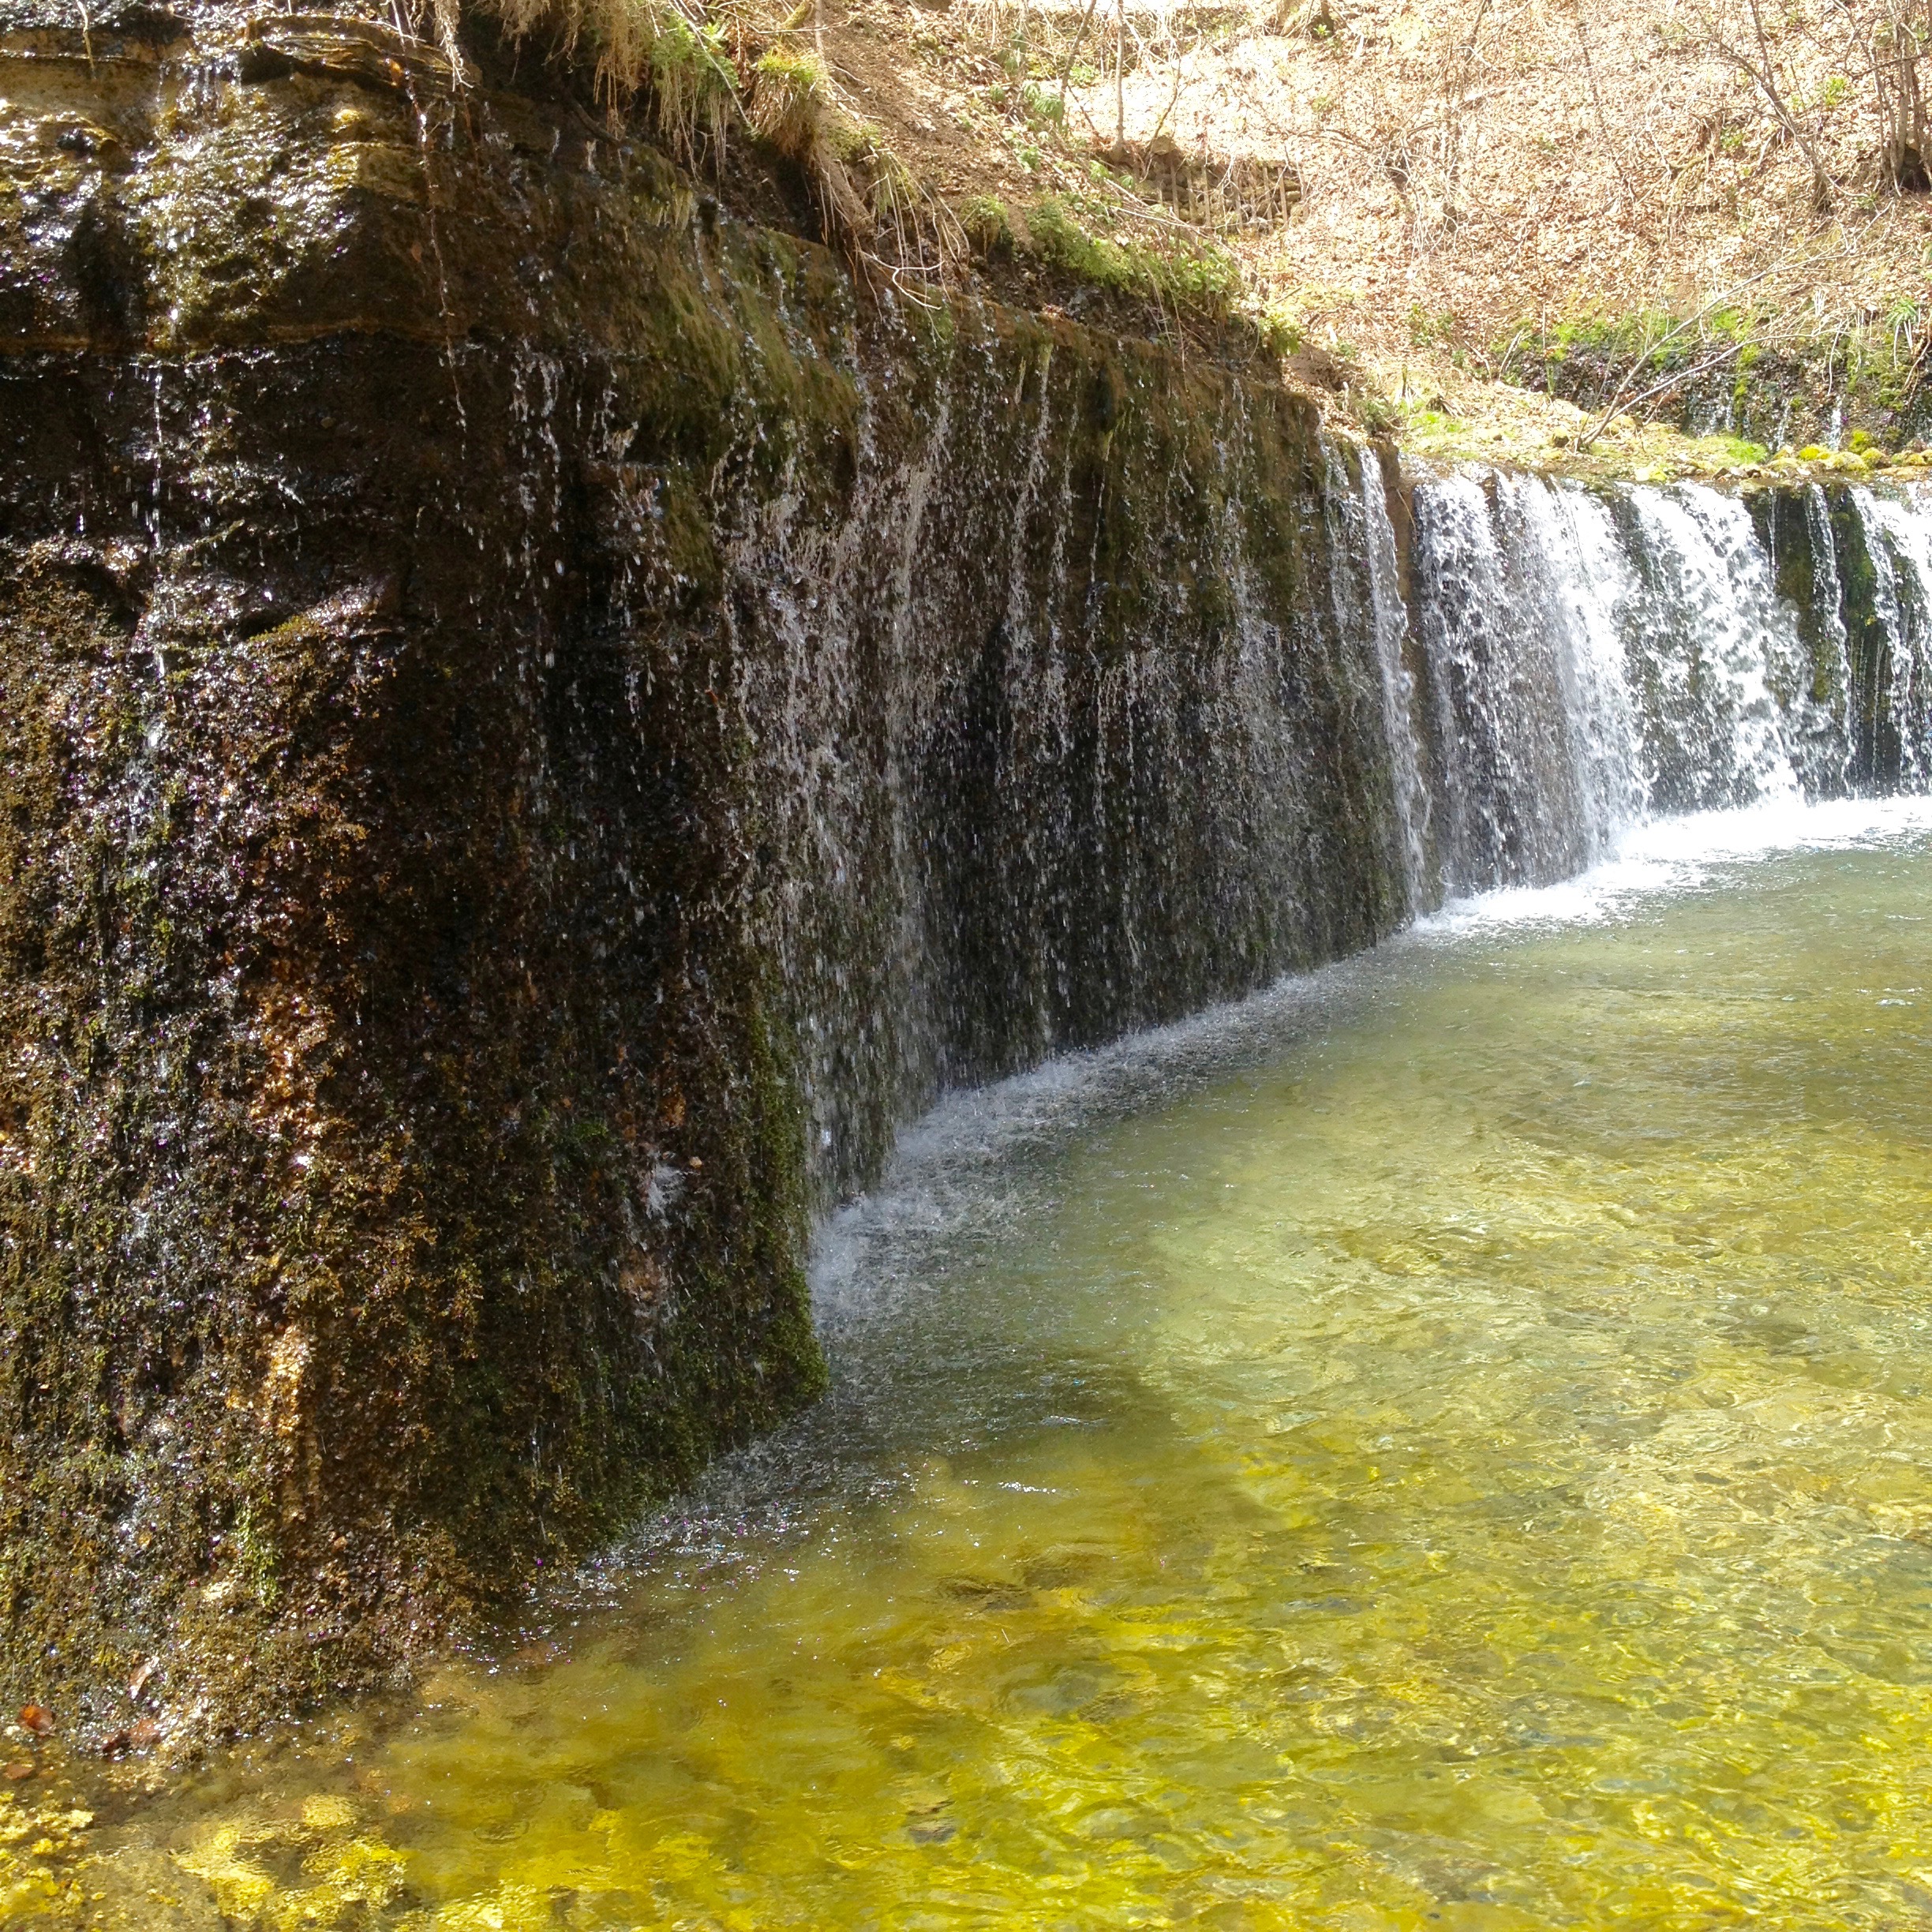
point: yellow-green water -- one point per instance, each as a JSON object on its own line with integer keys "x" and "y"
{"x": 1449, "y": 1449}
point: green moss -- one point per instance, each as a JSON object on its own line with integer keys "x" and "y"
{"x": 1187, "y": 274}
{"x": 255, "y": 1552}
{"x": 1730, "y": 450}
{"x": 987, "y": 224}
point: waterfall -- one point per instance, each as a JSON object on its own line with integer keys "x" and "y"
{"x": 1830, "y": 715}
{"x": 1065, "y": 760}
{"x": 1568, "y": 660}
{"x": 1389, "y": 623}
{"x": 1897, "y": 534}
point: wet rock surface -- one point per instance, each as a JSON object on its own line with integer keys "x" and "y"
{"x": 540, "y": 722}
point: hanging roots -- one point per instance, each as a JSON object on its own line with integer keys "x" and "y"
{"x": 675, "y": 59}
{"x": 648, "y": 47}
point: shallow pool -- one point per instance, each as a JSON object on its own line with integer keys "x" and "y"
{"x": 1447, "y": 1444}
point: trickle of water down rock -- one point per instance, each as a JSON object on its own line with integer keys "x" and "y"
{"x": 542, "y": 726}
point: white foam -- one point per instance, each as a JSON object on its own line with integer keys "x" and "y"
{"x": 1679, "y": 855}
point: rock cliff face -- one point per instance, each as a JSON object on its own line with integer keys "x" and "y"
{"x": 538, "y": 724}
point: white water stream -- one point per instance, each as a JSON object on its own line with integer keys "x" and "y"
{"x": 1593, "y": 659}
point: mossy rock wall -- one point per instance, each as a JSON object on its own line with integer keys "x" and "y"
{"x": 1831, "y": 392}
{"x": 538, "y": 726}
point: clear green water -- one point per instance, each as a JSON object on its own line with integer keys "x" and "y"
{"x": 1447, "y": 1448}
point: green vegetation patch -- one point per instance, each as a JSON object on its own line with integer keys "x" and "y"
{"x": 987, "y": 224}
{"x": 1648, "y": 341}
{"x": 1179, "y": 272}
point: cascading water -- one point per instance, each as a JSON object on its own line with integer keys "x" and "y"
{"x": 1390, "y": 622}
{"x": 466, "y": 848}
{"x": 1416, "y": 687}
{"x": 1569, "y": 661}
{"x": 1898, "y": 543}
{"x": 1500, "y": 741}
{"x": 748, "y": 710}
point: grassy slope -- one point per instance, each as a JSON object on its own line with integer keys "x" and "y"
{"x": 1422, "y": 195}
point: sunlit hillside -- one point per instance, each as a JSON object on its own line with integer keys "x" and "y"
{"x": 1594, "y": 197}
